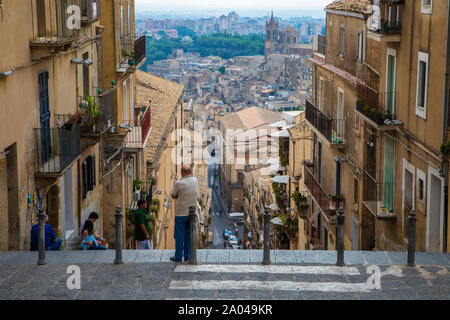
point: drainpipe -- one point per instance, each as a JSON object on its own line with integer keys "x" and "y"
{"x": 445, "y": 115}
{"x": 446, "y": 75}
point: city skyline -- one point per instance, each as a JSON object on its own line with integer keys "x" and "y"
{"x": 284, "y": 8}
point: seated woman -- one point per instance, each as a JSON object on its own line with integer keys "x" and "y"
{"x": 88, "y": 241}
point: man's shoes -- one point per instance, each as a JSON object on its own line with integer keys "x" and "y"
{"x": 186, "y": 259}
{"x": 174, "y": 259}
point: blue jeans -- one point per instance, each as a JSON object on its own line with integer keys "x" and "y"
{"x": 97, "y": 247}
{"x": 55, "y": 246}
{"x": 182, "y": 236}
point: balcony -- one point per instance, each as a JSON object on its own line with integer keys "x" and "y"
{"x": 90, "y": 11}
{"x": 330, "y": 130}
{"x": 373, "y": 198}
{"x": 137, "y": 138}
{"x": 373, "y": 107}
{"x": 99, "y": 113}
{"x": 57, "y": 148}
{"x": 321, "y": 44}
{"x": 50, "y": 26}
{"x": 387, "y": 26}
{"x": 319, "y": 195}
{"x": 139, "y": 48}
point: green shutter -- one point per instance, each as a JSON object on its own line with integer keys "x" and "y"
{"x": 389, "y": 162}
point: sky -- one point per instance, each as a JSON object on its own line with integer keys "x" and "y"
{"x": 232, "y": 5}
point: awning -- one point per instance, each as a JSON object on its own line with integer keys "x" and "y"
{"x": 281, "y": 134}
{"x": 277, "y": 221}
{"x": 272, "y": 161}
{"x": 236, "y": 214}
{"x": 281, "y": 179}
{"x": 278, "y": 124}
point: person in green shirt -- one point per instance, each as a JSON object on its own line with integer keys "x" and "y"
{"x": 142, "y": 226}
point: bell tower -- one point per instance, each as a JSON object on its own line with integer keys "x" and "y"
{"x": 271, "y": 36}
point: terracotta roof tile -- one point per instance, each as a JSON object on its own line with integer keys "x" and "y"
{"x": 164, "y": 95}
{"x": 359, "y": 6}
{"x": 252, "y": 117}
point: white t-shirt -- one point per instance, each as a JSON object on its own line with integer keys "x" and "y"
{"x": 187, "y": 191}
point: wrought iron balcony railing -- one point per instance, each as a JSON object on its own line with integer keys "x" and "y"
{"x": 99, "y": 112}
{"x": 375, "y": 197}
{"x": 51, "y": 23}
{"x": 137, "y": 137}
{"x": 317, "y": 192}
{"x": 57, "y": 148}
{"x": 321, "y": 44}
{"x": 331, "y": 129}
{"x": 377, "y": 106}
{"x": 139, "y": 48}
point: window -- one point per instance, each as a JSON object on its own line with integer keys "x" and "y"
{"x": 44, "y": 111}
{"x": 427, "y": 6}
{"x": 88, "y": 175}
{"x": 421, "y": 185}
{"x": 341, "y": 41}
{"x": 389, "y": 165}
{"x": 131, "y": 99}
{"x": 340, "y": 113}
{"x": 357, "y": 126}
{"x": 422, "y": 84}
{"x": 355, "y": 190}
{"x": 321, "y": 90}
{"x": 86, "y": 91}
{"x": 125, "y": 101}
{"x": 360, "y": 46}
{"x": 391, "y": 70}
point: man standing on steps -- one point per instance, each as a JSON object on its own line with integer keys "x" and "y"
{"x": 186, "y": 193}
{"x": 142, "y": 226}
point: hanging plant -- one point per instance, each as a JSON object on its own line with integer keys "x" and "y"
{"x": 445, "y": 148}
{"x": 137, "y": 184}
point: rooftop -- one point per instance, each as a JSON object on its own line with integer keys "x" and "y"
{"x": 164, "y": 95}
{"x": 357, "y": 6}
{"x": 252, "y": 117}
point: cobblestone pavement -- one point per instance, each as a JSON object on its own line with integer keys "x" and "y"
{"x": 224, "y": 274}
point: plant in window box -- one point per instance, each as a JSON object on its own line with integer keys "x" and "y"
{"x": 153, "y": 180}
{"x": 332, "y": 212}
{"x": 445, "y": 148}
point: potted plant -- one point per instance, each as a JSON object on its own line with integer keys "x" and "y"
{"x": 92, "y": 111}
{"x": 137, "y": 184}
{"x": 154, "y": 209}
{"x": 131, "y": 60}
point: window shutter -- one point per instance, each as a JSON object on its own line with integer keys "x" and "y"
{"x": 93, "y": 171}
{"x": 85, "y": 178}
{"x": 388, "y": 173}
{"x": 90, "y": 173}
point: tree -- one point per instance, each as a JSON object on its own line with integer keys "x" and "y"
{"x": 222, "y": 69}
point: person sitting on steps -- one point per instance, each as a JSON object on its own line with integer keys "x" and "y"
{"x": 88, "y": 241}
